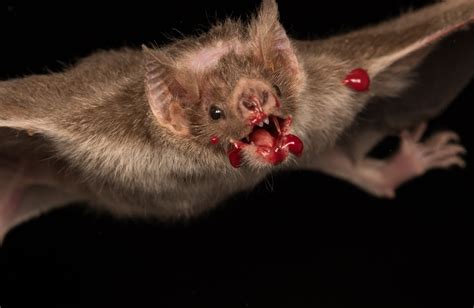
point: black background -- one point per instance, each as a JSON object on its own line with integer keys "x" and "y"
{"x": 299, "y": 240}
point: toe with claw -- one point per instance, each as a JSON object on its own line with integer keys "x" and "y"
{"x": 441, "y": 150}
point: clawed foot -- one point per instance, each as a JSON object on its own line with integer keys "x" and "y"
{"x": 414, "y": 158}
{"x": 441, "y": 150}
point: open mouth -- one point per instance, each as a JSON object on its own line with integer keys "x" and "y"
{"x": 269, "y": 140}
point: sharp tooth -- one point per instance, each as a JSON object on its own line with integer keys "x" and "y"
{"x": 247, "y": 139}
{"x": 260, "y": 124}
{"x": 266, "y": 121}
{"x": 277, "y": 125}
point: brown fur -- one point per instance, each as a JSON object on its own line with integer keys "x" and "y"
{"x": 129, "y": 129}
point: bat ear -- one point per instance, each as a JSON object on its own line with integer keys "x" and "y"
{"x": 274, "y": 47}
{"x": 396, "y": 48}
{"x": 166, "y": 95}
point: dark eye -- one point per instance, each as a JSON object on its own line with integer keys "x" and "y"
{"x": 216, "y": 113}
{"x": 277, "y": 89}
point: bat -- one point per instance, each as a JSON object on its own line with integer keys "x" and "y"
{"x": 151, "y": 132}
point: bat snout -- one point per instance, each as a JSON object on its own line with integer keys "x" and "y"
{"x": 255, "y": 101}
{"x": 256, "y": 107}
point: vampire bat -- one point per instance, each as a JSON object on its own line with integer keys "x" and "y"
{"x": 170, "y": 131}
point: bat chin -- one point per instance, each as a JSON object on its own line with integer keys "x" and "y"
{"x": 268, "y": 144}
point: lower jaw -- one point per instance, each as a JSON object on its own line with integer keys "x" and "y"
{"x": 274, "y": 155}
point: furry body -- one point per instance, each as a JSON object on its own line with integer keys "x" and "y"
{"x": 95, "y": 134}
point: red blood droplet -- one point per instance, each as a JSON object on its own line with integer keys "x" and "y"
{"x": 278, "y": 156}
{"x": 214, "y": 140}
{"x": 235, "y": 158}
{"x": 358, "y": 80}
{"x": 295, "y": 145}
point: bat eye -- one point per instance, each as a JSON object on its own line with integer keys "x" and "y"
{"x": 216, "y": 113}
{"x": 277, "y": 89}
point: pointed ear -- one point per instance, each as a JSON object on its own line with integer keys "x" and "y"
{"x": 273, "y": 45}
{"x": 392, "y": 50}
{"x": 165, "y": 94}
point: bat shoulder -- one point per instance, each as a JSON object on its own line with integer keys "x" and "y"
{"x": 115, "y": 61}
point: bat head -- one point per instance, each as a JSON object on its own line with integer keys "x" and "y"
{"x": 238, "y": 83}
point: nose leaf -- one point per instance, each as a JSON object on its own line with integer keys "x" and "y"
{"x": 250, "y": 105}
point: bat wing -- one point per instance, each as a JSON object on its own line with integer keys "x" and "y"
{"x": 39, "y": 114}
{"x": 442, "y": 75}
{"x": 418, "y": 63}
{"x": 28, "y": 178}
{"x": 30, "y": 174}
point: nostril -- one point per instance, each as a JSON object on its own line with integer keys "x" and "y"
{"x": 250, "y": 105}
